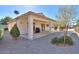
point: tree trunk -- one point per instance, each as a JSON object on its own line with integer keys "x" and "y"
{"x": 65, "y": 33}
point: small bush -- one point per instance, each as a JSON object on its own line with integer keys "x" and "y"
{"x": 15, "y": 31}
{"x": 1, "y": 34}
{"x": 69, "y": 40}
{"x": 55, "y": 41}
{"x": 60, "y": 40}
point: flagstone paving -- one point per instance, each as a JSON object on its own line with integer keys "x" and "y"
{"x": 37, "y": 46}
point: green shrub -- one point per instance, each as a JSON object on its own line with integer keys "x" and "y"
{"x": 15, "y": 31}
{"x": 1, "y": 34}
{"x": 55, "y": 40}
{"x": 60, "y": 40}
{"x": 69, "y": 40}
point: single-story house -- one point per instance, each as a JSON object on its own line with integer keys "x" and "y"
{"x": 31, "y": 22}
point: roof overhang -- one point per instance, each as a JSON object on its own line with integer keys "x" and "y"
{"x": 35, "y": 14}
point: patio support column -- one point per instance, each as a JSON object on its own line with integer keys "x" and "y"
{"x": 30, "y": 28}
{"x": 50, "y": 27}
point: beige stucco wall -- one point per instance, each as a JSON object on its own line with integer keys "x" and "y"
{"x": 10, "y": 25}
{"x": 22, "y": 25}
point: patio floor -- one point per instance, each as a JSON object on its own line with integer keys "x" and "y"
{"x": 37, "y": 46}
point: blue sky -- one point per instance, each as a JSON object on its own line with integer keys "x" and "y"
{"x": 48, "y": 10}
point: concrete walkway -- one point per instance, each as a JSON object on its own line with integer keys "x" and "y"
{"x": 37, "y": 46}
